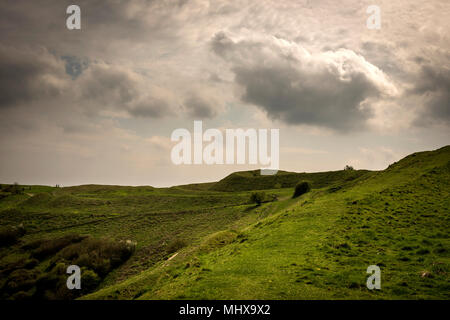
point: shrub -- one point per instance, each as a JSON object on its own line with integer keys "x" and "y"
{"x": 20, "y": 280}
{"x": 257, "y": 197}
{"x": 90, "y": 280}
{"x": 50, "y": 247}
{"x": 99, "y": 255}
{"x": 96, "y": 257}
{"x": 32, "y": 244}
{"x": 10, "y": 236}
{"x": 52, "y": 286}
{"x": 301, "y": 188}
{"x": 6, "y": 269}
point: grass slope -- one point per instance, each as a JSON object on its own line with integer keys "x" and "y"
{"x": 319, "y": 246}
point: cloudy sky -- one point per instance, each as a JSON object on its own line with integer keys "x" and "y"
{"x": 98, "y": 105}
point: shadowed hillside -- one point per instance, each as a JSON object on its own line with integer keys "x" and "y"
{"x": 253, "y": 180}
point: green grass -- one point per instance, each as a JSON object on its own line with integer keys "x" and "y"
{"x": 205, "y": 241}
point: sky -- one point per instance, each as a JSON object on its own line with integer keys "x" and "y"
{"x": 98, "y": 105}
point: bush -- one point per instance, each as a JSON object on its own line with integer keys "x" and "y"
{"x": 10, "y": 236}
{"x": 6, "y": 269}
{"x": 99, "y": 255}
{"x": 20, "y": 280}
{"x": 50, "y": 247}
{"x": 95, "y": 257}
{"x": 301, "y": 188}
{"x": 52, "y": 286}
{"x": 90, "y": 280}
{"x": 257, "y": 197}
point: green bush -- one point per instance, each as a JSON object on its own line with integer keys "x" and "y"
{"x": 90, "y": 280}
{"x": 301, "y": 188}
{"x": 257, "y": 197}
{"x": 96, "y": 258}
{"x": 20, "y": 280}
{"x": 7, "y": 268}
{"x": 99, "y": 255}
{"x": 52, "y": 286}
{"x": 50, "y": 247}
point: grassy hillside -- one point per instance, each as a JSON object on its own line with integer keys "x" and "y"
{"x": 206, "y": 241}
{"x": 253, "y": 180}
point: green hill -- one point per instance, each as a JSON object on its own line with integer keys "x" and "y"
{"x": 253, "y": 180}
{"x": 206, "y": 241}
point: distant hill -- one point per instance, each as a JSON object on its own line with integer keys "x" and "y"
{"x": 253, "y": 180}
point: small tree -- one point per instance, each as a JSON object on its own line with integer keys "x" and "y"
{"x": 301, "y": 188}
{"x": 257, "y": 197}
{"x": 347, "y": 167}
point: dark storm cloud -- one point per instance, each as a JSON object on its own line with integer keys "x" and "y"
{"x": 330, "y": 89}
{"x": 433, "y": 85}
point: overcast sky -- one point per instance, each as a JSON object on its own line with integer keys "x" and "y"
{"x": 98, "y": 105}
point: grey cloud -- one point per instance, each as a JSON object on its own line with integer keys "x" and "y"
{"x": 27, "y": 75}
{"x": 106, "y": 84}
{"x": 383, "y": 55}
{"x": 330, "y": 89}
{"x": 113, "y": 31}
{"x": 118, "y": 88}
{"x": 220, "y": 42}
{"x": 151, "y": 108}
{"x": 433, "y": 85}
{"x": 38, "y": 22}
{"x": 198, "y": 108}
{"x": 37, "y": 78}
{"x": 297, "y": 98}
